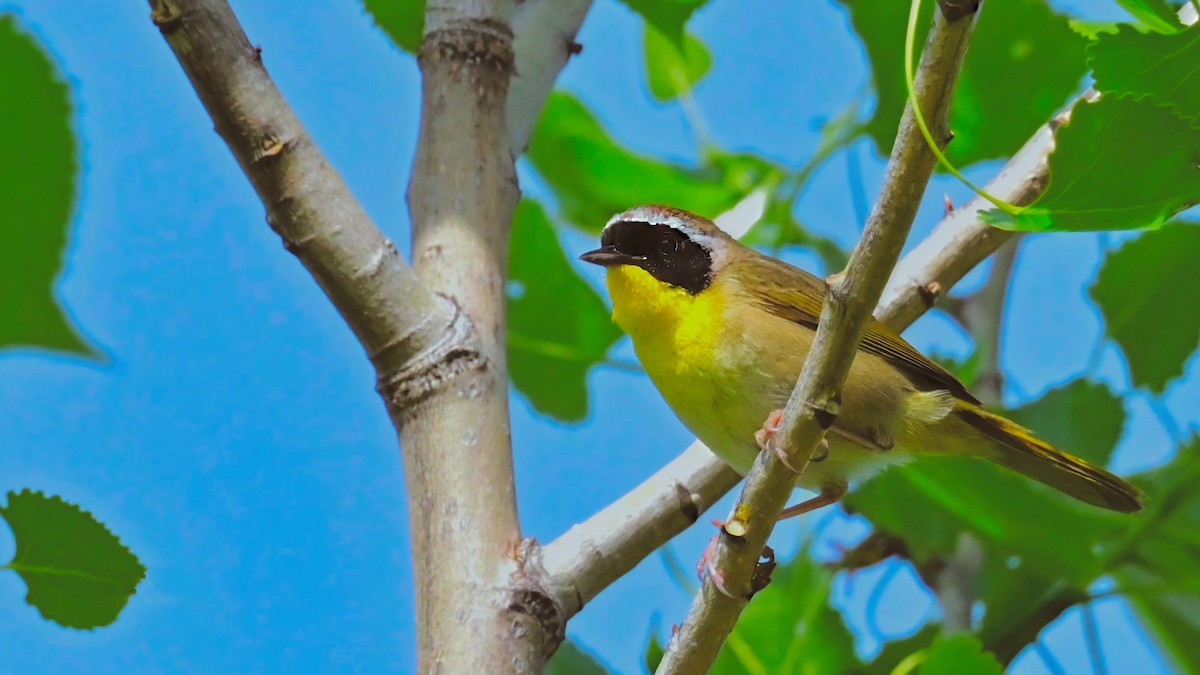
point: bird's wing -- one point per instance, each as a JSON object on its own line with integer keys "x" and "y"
{"x": 793, "y": 294}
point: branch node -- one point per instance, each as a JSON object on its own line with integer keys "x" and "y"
{"x": 166, "y": 17}
{"x": 529, "y": 599}
{"x": 574, "y": 48}
{"x": 954, "y": 10}
{"x": 454, "y": 353}
{"x": 929, "y": 293}
{"x": 687, "y": 502}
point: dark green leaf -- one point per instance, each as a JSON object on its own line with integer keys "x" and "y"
{"x": 77, "y": 572}
{"x": 1011, "y": 514}
{"x": 402, "y": 20}
{"x": 37, "y": 194}
{"x": 944, "y": 496}
{"x": 1160, "y": 66}
{"x": 654, "y": 650}
{"x": 958, "y": 654}
{"x": 1154, "y": 14}
{"x": 570, "y": 659}
{"x": 1091, "y": 184}
{"x": 993, "y": 112}
{"x": 1158, "y": 574}
{"x": 1083, "y": 418}
{"x": 594, "y": 178}
{"x": 1146, "y": 291}
{"x": 790, "y": 627}
{"x": 672, "y": 68}
{"x": 558, "y": 327}
{"x": 668, "y": 16}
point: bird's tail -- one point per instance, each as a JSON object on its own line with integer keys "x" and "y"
{"x": 1015, "y": 447}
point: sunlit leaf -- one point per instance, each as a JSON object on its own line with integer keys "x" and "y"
{"x": 895, "y": 651}
{"x": 37, "y": 194}
{"x": 402, "y": 20}
{"x": 594, "y": 178}
{"x": 1146, "y": 291}
{"x": 672, "y": 68}
{"x": 558, "y": 327}
{"x": 571, "y": 659}
{"x": 77, "y": 572}
{"x": 1160, "y": 66}
{"x": 1154, "y": 14}
{"x": 993, "y": 112}
{"x": 790, "y": 627}
{"x": 958, "y": 654}
{"x": 668, "y": 16}
{"x": 1092, "y": 184}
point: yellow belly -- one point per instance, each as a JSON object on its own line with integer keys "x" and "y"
{"x": 713, "y": 378}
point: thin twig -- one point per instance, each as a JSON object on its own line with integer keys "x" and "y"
{"x": 1092, "y": 637}
{"x": 814, "y": 402}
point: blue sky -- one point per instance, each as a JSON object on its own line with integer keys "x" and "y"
{"x": 232, "y": 436}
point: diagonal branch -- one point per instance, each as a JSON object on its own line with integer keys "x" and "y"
{"x": 394, "y": 317}
{"x": 586, "y": 559}
{"x": 543, "y": 39}
{"x": 814, "y": 403}
{"x": 439, "y": 357}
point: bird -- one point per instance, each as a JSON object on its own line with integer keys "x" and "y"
{"x": 723, "y": 330}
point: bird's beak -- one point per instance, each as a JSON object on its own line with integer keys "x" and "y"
{"x": 607, "y": 256}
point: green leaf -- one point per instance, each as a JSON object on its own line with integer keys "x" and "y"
{"x": 895, "y": 651}
{"x": 1009, "y": 513}
{"x": 594, "y": 178}
{"x": 958, "y": 654}
{"x": 668, "y": 16}
{"x": 790, "y": 627}
{"x": 77, "y": 572}
{"x": 37, "y": 194}
{"x": 672, "y": 68}
{"x": 1154, "y": 14}
{"x": 654, "y": 650}
{"x": 1083, "y": 418}
{"x": 993, "y": 112}
{"x": 1160, "y": 66}
{"x": 1158, "y": 574}
{"x": 1092, "y": 186}
{"x": 556, "y": 322}
{"x": 944, "y": 496}
{"x": 402, "y": 20}
{"x": 571, "y": 659}
{"x": 1146, "y": 291}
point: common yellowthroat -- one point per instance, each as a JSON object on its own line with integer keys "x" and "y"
{"x": 723, "y": 331}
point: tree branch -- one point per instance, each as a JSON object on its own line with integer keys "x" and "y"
{"x": 592, "y": 555}
{"x": 439, "y": 357}
{"x": 814, "y": 403}
{"x": 394, "y": 317}
{"x": 544, "y": 38}
{"x": 958, "y": 243}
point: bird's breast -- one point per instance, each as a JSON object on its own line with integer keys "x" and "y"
{"x": 698, "y": 361}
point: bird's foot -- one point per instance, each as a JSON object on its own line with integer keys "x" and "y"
{"x": 765, "y": 437}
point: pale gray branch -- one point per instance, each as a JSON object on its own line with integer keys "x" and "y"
{"x": 592, "y": 555}
{"x": 814, "y": 402}
{"x": 544, "y": 38}
{"x": 395, "y": 318}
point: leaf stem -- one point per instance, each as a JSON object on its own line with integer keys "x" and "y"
{"x": 910, "y": 83}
